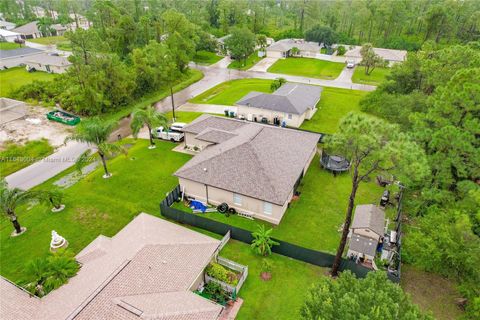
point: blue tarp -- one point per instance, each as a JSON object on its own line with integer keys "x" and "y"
{"x": 197, "y": 205}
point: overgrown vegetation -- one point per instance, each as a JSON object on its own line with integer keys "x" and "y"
{"x": 434, "y": 97}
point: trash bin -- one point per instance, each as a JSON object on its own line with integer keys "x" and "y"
{"x": 226, "y": 112}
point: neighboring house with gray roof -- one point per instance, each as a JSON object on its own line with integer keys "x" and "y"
{"x": 146, "y": 271}
{"x": 29, "y": 30}
{"x": 252, "y": 167}
{"x": 366, "y": 231}
{"x": 48, "y": 63}
{"x": 283, "y": 48}
{"x": 391, "y": 56}
{"x": 289, "y": 105}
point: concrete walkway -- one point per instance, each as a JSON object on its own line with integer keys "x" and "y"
{"x": 47, "y": 168}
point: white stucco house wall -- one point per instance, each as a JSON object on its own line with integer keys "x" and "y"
{"x": 289, "y": 105}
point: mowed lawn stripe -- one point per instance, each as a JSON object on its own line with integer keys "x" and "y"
{"x": 307, "y": 67}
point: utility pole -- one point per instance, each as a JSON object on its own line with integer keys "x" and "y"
{"x": 173, "y": 103}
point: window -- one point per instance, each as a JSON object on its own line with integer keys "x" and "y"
{"x": 267, "y": 208}
{"x": 237, "y": 199}
{"x": 290, "y": 116}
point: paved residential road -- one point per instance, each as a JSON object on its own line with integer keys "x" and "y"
{"x": 218, "y": 73}
{"x": 47, "y": 168}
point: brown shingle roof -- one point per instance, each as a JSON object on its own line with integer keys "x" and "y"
{"x": 261, "y": 161}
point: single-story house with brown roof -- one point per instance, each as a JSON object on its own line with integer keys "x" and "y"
{"x": 391, "y": 56}
{"x": 289, "y": 105}
{"x": 254, "y": 168}
{"x": 283, "y": 48}
{"x": 146, "y": 271}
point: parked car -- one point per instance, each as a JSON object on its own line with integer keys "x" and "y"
{"x": 168, "y": 134}
{"x": 350, "y": 64}
{"x": 177, "y": 126}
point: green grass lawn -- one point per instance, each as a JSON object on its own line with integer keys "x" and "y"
{"x": 94, "y": 205}
{"x": 307, "y": 67}
{"x": 334, "y": 104}
{"x": 229, "y": 92}
{"x": 251, "y": 61}
{"x": 9, "y": 45}
{"x": 30, "y": 152}
{"x": 206, "y": 57}
{"x": 376, "y": 77}
{"x": 313, "y": 220}
{"x": 61, "y": 42}
{"x": 14, "y": 78}
{"x": 282, "y": 296}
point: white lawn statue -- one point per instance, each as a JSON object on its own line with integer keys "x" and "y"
{"x": 57, "y": 242}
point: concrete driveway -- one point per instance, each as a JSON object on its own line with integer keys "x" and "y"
{"x": 346, "y": 75}
{"x": 47, "y": 168}
{"x": 263, "y": 65}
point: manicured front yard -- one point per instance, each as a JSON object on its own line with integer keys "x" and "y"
{"x": 377, "y": 76}
{"x": 94, "y": 205}
{"x": 205, "y": 57}
{"x": 250, "y": 62}
{"x": 282, "y": 296}
{"x": 14, "y": 78}
{"x": 61, "y": 42}
{"x": 314, "y": 220}
{"x": 15, "y": 157}
{"x": 229, "y": 92}
{"x": 307, "y": 67}
{"x": 9, "y": 45}
{"x": 334, "y": 104}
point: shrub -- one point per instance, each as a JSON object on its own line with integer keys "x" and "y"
{"x": 219, "y": 272}
{"x": 51, "y": 272}
{"x": 341, "y": 50}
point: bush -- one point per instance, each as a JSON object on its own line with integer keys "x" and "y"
{"x": 219, "y": 272}
{"x": 47, "y": 274}
{"x": 341, "y": 50}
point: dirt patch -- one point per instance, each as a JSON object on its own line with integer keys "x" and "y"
{"x": 431, "y": 292}
{"x": 34, "y": 126}
{"x": 86, "y": 216}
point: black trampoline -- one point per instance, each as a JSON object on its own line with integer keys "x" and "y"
{"x": 334, "y": 163}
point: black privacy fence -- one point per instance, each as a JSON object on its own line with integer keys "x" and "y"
{"x": 284, "y": 248}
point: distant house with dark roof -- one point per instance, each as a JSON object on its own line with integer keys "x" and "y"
{"x": 366, "y": 231}
{"x": 290, "y": 105}
{"x": 252, "y": 167}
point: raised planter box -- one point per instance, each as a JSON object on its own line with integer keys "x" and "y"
{"x": 63, "y": 117}
{"x": 232, "y": 290}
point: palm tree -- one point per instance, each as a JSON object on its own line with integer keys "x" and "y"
{"x": 149, "y": 117}
{"x": 54, "y": 197}
{"x": 11, "y": 198}
{"x": 262, "y": 242}
{"x": 96, "y": 132}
